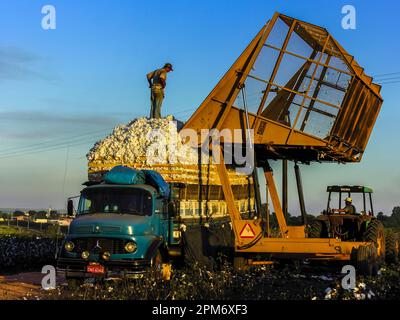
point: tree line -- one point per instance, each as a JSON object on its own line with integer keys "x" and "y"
{"x": 33, "y": 214}
{"x": 392, "y": 221}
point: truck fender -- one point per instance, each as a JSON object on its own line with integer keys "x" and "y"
{"x": 157, "y": 244}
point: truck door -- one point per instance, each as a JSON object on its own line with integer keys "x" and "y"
{"x": 163, "y": 220}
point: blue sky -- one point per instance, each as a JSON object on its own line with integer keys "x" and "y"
{"x": 77, "y": 82}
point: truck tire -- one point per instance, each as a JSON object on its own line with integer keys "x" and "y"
{"x": 161, "y": 266}
{"x": 156, "y": 262}
{"x": 392, "y": 248}
{"x": 74, "y": 283}
{"x": 375, "y": 233}
{"x": 317, "y": 229}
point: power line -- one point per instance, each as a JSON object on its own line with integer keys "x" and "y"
{"x": 387, "y": 79}
{"x": 186, "y": 110}
{"x": 50, "y": 142}
{"x": 384, "y": 74}
{"x": 56, "y": 140}
{"x": 59, "y": 144}
{"x": 390, "y": 82}
{"x": 50, "y": 148}
{"x": 44, "y": 147}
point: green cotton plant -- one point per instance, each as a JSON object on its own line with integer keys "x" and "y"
{"x": 196, "y": 282}
{"x": 25, "y": 253}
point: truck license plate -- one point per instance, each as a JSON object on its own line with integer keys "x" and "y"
{"x": 95, "y": 268}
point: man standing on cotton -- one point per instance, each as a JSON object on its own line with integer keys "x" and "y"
{"x": 157, "y": 82}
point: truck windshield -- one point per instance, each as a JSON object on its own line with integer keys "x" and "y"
{"x": 115, "y": 200}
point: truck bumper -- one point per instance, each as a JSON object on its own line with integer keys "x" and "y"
{"x": 77, "y": 268}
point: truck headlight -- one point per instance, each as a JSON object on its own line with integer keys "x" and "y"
{"x": 85, "y": 255}
{"x": 69, "y": 246}
{"x": 106, "y": 255}
{"x": 130, "y": 247}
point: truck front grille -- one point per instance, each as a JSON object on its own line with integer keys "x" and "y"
{"x": 114, "y": 246}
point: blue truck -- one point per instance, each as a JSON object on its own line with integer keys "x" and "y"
{"x": 123, "y": 226}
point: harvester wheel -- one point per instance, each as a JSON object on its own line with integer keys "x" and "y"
{"x": 239, "y": 263}
{"x": 366, "y": 260}
{"x": 375, "y": 233}
{"x": 392, "y": 248}
{"x": 317, "y": 229}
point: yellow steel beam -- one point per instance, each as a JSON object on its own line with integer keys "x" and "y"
{"x": 228, "y": 193}
{"x": 309, "y": 246}
{"x": 276, "y": 203}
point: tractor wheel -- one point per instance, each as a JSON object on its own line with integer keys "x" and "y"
{"x": 317, "y": 229}
{"x": 366, "y": 260}
{"x": 375, "y": 233}
{"x": 392, "y": 248}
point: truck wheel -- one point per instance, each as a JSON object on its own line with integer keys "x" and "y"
{"x": 392, "y": 248}
{"x": 158, "y": 265}
{"x": 75, "y": 283}
{"x": 375, "y": 233}
{"x": 156, "y": 262}
{"x": 317, "y": 229}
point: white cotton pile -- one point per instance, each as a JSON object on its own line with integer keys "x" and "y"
{"x": 155, "y": 144}
{"x": 144, "y": 141}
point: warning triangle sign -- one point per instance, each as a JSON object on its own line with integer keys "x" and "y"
{"x": 247, "y": 231}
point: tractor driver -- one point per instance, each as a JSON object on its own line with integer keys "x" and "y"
{"x": 349, "y": 208}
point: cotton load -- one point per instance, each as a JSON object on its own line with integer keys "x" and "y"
{"x": 154, "y": 144}
{"x": 131, "y": 144}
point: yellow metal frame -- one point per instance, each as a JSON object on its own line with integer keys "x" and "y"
{"x": 292, "y": 240}
{"x": 219, "y": 112}
{"x": 352, "y": 125}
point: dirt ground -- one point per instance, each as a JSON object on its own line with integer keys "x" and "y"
{"x": 16, "y": 287}
{"x": 22, "y": 286}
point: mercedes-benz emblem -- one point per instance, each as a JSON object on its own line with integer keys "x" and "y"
{"x": 97, "y": 246}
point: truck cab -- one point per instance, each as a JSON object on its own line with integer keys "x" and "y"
{"x": 119, "y": 230}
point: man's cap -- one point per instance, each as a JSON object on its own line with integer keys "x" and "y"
{"x": 168, "y": 65}
{"x": 348, "y": 199}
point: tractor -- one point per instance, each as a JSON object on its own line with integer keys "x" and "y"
{"x": 355, "y": 226}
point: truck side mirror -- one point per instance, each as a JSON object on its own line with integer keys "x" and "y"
{"x": 70, "y": 207}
